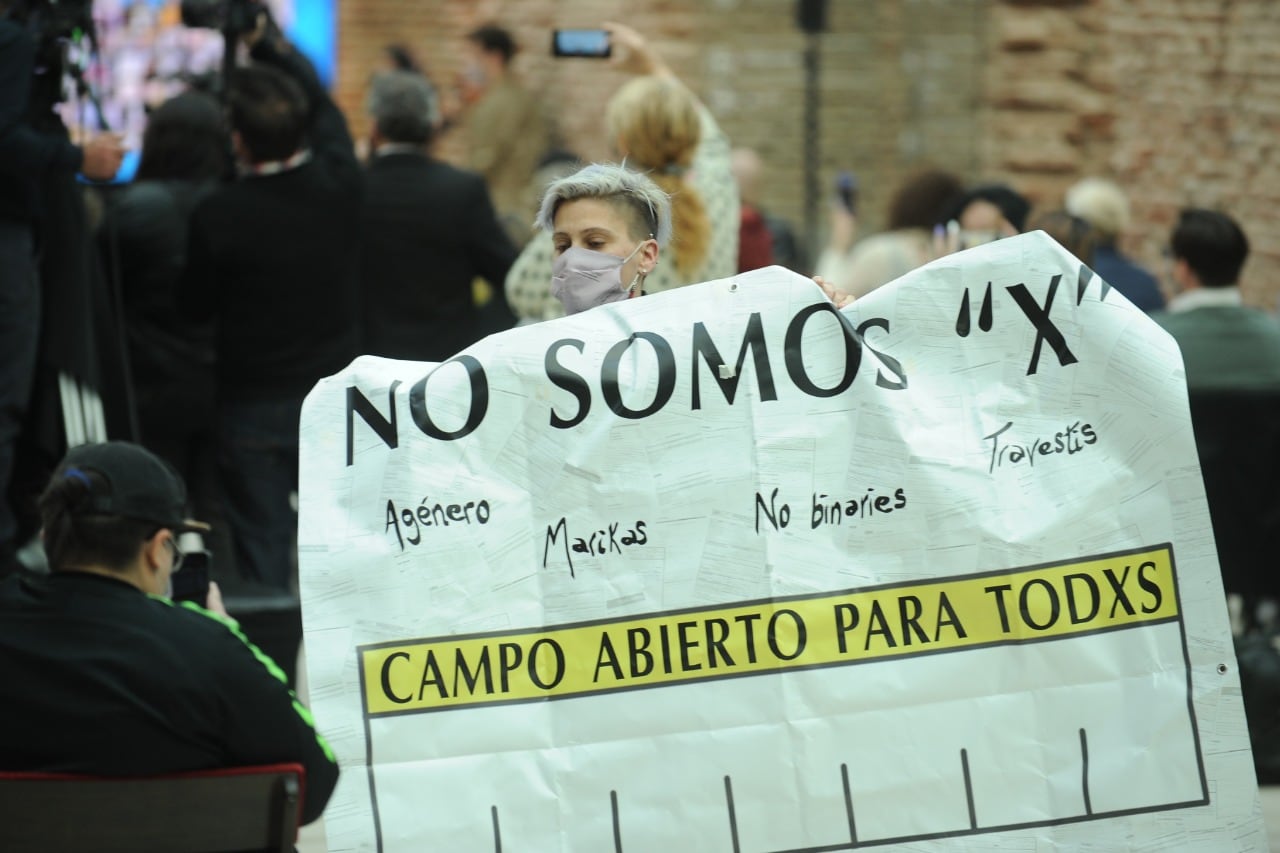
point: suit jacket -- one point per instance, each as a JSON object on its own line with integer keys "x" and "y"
{"x": 428, "y": 230}
{"x": 1226, "y": 346}
{"x": 506, "y": 137}
{"x": 1137, "y": 285}
{"x": 272, "y": 258}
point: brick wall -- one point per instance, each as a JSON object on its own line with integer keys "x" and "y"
{"x": 1179, "y": 100}
{"x": 901, "y": 81}
{"x": 1203, "y": 79}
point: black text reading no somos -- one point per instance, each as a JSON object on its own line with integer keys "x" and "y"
{"x": 701, "y": 348}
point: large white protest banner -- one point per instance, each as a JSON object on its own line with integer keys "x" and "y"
{"x": 726, "y": 569}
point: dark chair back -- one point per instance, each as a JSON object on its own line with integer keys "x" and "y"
{"x": 1238, "y": 438}
{"x": 214, "y": 811}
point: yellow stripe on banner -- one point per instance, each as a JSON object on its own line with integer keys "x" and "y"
{"x": 1062, "y": 600}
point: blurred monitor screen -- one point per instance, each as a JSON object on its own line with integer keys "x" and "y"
{"x": 145, "y": 56}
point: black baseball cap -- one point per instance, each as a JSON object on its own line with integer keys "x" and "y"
{"x": 140, "y": 485}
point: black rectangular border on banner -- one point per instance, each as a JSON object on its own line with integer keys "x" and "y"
{"x": 859, "y": 843}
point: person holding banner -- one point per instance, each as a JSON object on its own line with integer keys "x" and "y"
{"x": 607, "y": 227}
{"x": 658, "y": 127}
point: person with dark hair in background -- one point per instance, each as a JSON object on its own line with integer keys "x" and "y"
{"x": 171, "y": 358}
{"x": 1104, "y": 206}
{"x": 399, "y": 57}
{"x": 506, "y": 131}
{"x": 428, "y": 230}
{"x": 273, "y": 259}
{"x": 1074, "y": 234}
{"x": 916, "y": 207}
{"x": 1225, "y": 344}
{"x": 184, "y": 154}
{"x": 35, "y": 155}
{"x": 116, "y": 679}
{"x": 988, "y": 212}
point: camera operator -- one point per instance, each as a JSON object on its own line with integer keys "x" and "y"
{"x": 272, "y": 258}
{"x": 35, "y": 155}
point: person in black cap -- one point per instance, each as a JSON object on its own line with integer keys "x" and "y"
{"x": 108, "y": 500}
{"x": 109, "y": 676}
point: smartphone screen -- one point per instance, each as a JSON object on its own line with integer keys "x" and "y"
{"x": 591, "y": 44}
{"x": 191, "y": 582}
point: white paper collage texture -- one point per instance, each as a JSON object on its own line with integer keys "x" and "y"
{"x": 622, "y": 581}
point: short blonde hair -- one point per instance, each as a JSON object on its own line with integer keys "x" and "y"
{"x": 642, "y": 203}
{"x": 1100, "y": 203}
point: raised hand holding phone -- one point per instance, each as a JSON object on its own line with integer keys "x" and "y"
{"x": 844, "y": 219}
{"x": 847, "y": 191}
{"x": 633, "y": 53}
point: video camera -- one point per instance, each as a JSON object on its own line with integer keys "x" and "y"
{"x": 54, "y": 20}
{"x": 233, "y": 18}
{"x": 55, "y": 25}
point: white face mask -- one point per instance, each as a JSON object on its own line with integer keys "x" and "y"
{"x": 582, "y": 279}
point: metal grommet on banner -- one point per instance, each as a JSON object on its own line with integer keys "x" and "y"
{"x": 733, "y": 287}
{"x": 1222, "y": 669}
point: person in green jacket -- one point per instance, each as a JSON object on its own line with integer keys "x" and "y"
{"x": 1225, "y": 344}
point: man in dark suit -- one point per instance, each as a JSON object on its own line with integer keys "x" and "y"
{"x": 428, "y": 231}
{"x": 272, "y": 258}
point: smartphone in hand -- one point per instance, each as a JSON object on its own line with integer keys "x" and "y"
{"x": 586, "y": 44}
{"x": 191, "y": 582}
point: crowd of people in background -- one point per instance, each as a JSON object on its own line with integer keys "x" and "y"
{"x": 260, "y": 247}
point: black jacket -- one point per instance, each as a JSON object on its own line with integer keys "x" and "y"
{"x": 26, "y": 153}
{"x": 273, "y": 259}
{"x": 104, "y": 679}
{"x": 146, "y": 226}
{"x": 428, "y": 231}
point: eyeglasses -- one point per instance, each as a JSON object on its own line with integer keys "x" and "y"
{"x": 177, "y": 554}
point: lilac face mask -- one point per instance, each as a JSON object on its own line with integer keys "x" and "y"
{"x": 582, "y": 279}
